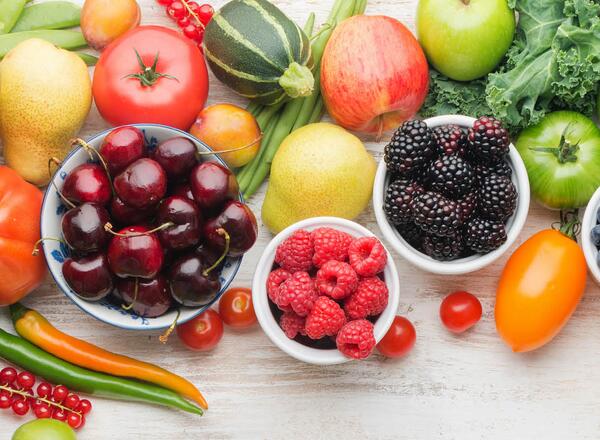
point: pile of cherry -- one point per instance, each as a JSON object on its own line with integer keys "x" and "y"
{"x": 157, "y": 234}
{"x": 16, "y": 392}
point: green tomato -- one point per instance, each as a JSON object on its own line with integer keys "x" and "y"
{"x": 46, "y": 429}
{"x": 562, "y": 157}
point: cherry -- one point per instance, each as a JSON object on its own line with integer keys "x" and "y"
{"x": 135, "y": 252}
{"x": 177, "y": 156}
{"x": 83, "y": 227}
{"x": 122, "y": 147}
{"x": 213, "y": 185}
{"x": 183, "y": 190}
{"x": 149, "y": 298}
{"x": 187, "y": 219}
{"x": 190, "y": 285}
{"x": 207, "y": 255}
{"x": 240, "y": 224}
{"x": 124, "y": 214}
{"x": 142, "y": 184}
{"x": 87, "y": 183}
{"x": 89, "y": 277}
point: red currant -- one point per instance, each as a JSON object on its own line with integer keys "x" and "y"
{"x": 71, "y": 401}
{"x": 194, "y": 7}
{"x": 26, "y": 380}
{"x": 84, "y": 406}
{"x": 183, "y": 22}
{"x": 44, "y": 389}
{"x": 60, "y": 393}
{"x": 59, "y": 414}
{"x": 74, "y": 420}
{"x": 177, "y": 10}
{"x": 165, "y": 2}
{"x": 191, "y": 31}
{"x": 205, "y": 13}
{"x": 82, "y": 422}
{"x": 42, "y": 411}
{"x": 20, "y": 407}
{"x": 7, "y": 375}
{"x": 5, "y": 401}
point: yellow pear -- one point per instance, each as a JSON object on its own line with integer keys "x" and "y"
{"x": 45, "y": 96}
{"x": 319, "y": 170}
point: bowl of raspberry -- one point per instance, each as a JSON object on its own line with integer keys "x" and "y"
{"x": 451, "y": 194}
{"x": 326, "y": 291}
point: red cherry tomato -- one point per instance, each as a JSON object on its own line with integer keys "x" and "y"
{"x": 236, "y": 308}
{"x": 460, "y": 311}
{"x": 126, "y": 92}
{"x": 202, "y": 333}
{"x": 399, "y": 340}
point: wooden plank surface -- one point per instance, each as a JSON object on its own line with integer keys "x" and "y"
{"x": 466, "y": 387}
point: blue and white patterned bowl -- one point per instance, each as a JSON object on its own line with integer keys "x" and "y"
{"x": 56, "y": 253}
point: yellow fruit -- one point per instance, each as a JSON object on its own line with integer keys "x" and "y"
{"x": 103, "y": 21}
{"x": 319, "y": 170}
{"x": 227, "y": 127}
{"x": 45, "y": 96}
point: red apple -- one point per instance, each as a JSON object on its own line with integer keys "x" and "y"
{"x": 374, "y": 74}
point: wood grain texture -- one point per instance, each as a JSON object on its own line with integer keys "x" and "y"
{"x": 466, "y": 387}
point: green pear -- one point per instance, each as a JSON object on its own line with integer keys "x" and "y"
{"x": 319, "y": 170}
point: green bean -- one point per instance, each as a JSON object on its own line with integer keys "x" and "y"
{"x": 249, "y": 170}
{"x": 90, "y": 60}
{"x": 254, "y": 108}
{"x": 64, "y": 39}
{"x": 10, "y": 11}
{"x": 309, "y": 102}
{"x": 49, "y": 15}
{"x": 318, "y": 110}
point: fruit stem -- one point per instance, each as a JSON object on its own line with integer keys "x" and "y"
{"x": 225, "y": 234}
{"x": 93, "y": 152}
{"x": 569, "y": 224}
{"x": 108, "y": 227}
{"x": 135, "y": 295}
{"x": 41, "y": 399}
{"x": 565, "y": 152}
{"x": 192, "y": 13}
{"x": 54, "y": 160}
{"x": 165, "y": 337}
{"x": 232, "y": 150}
{"x": 148, "y": 75}
{"x": 36, "y": 245}
{"x": 297, "y": 81}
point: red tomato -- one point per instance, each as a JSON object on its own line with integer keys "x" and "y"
{"x": 172, "y": 94}
{"x": 399, "y": 340}
{"x": 202, "y": 333}
{"x": 460, "y": 311}
{"x": 236, "y": 308}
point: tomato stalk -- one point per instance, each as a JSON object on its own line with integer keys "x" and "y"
{"x": 148, "y": 75}
{"x": 569, "y": 224}
{"x": 565, "y": 151}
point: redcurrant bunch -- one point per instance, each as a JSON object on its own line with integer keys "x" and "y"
{"x": 191, "y": 17}
{"x": 16, "y": 392}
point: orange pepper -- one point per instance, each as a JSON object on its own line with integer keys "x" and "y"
{"x": 33, "y": 327}
{"x": 20, "y": 208}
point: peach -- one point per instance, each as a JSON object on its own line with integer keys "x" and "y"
{"x": 103, "y": 21}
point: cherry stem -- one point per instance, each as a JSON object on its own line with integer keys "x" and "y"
{"x": 54, "y": 160}
{"x": 135, "y": 295}
{"x": 192, "y": 13}
{"x": 165, "y": 337}
{"x": 108, "y": 227}
{"x": 36, "y": 245}
{"x": 222, "y": 232}
{"x": 41, "y": 399}
{"x": 93, "y": 152}
{"x": 232, "y": 150}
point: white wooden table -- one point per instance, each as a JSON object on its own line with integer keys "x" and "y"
{"x": 449, "y": 387}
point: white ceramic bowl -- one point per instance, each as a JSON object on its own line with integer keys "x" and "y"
{"x": 261, "y": 300}
{"x": 56, "y": 253}
{"x": 589, "y": 221}
{"x": 463, "y": 265}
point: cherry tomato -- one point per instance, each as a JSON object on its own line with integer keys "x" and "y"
{"x": 202, "y": 333}
{"x": 460, "y": 311}
{"x": 127, "y": 92}
{"x": 399, "y": 340}
{"x": 236, "y": 308}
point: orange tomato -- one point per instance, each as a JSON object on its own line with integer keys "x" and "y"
{"x": 540, "y": 288}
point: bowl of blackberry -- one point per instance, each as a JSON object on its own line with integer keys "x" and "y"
{"x": 451, "y": 194}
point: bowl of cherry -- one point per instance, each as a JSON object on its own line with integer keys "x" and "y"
{"x": 143, "y": 226}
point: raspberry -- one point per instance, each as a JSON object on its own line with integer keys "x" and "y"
{"x": 370, "y": 299}
{"x": 292, "y": 324}
{"x": 296, "y": 252}
{"x": 299, "y": 293}
{"x": 356, "y": 339}
{"x": 336, "y": 279}
{"x": 274, "y": 281}
{"x": 367, "y": 256}
{"x": 325, "y": 319}
{"x": 330, "y": 244}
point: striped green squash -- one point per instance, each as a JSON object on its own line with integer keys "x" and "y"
{"x": 256, "y": 50}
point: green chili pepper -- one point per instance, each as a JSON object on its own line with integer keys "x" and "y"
{"x": 10, "y": 10}
{"x": 64, "y": 39}
{"x": 26, "y": 355}
{"x": 48, "y": 15}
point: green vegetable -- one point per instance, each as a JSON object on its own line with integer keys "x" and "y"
{"x": 64, "y": 39}
{"x": 10, "y": 10}
{"x": 562, "y": 157}
{"x": 257, "y": 51}
{"x": 26, "y": 355}
{"x": 552, "y": 64}
{"x": 49, "y": 15}
{"x": 90, "y": 60}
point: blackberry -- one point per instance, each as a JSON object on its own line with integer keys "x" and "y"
{"x": 496, "y": 197}
{"x": 436, "y": 214}
{"x": 443, "y": 248}
{"x": 467, "y": 205}
{"x": 484, "y": 170}
{"x": 483, "y": 236}
{"x": 488, "y": 140}
{"x": 398, "y": 197}
{"x": 450, "y": 139}
{"x": 410, "y": 149}
{"x": 412, "y": 234}
{"x": 451, "y": 176}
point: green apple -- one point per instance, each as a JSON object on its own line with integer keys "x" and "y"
{"x": 465, "y": 39}
{"x": 46, "y": 429}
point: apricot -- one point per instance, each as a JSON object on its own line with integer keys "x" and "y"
{"x": 103, "y": 21}
{"x": 227, "y": 127}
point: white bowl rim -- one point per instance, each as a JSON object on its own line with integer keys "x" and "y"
{"x": 267, "y": 320}
{"x": 67, "y": 291}
{"x": 463, "y": 265}
{"x": 588, "y": 223}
